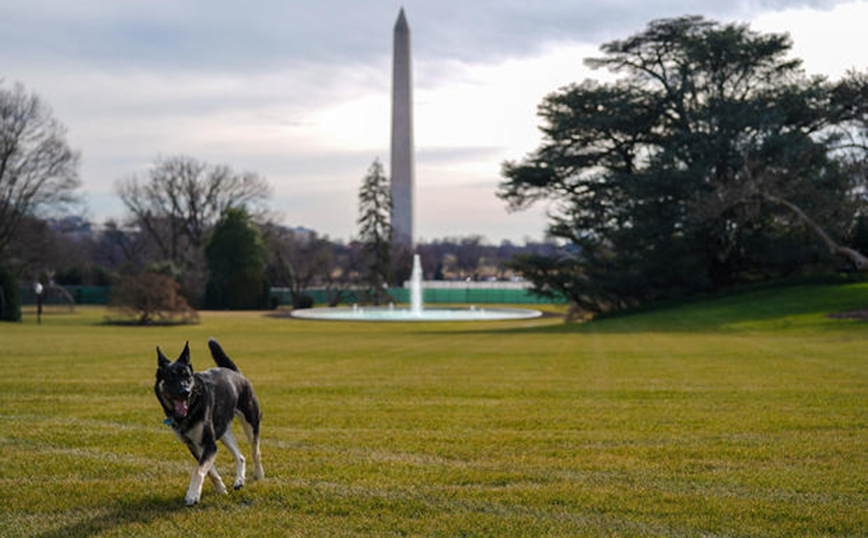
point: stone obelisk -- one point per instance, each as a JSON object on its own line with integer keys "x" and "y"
{"x": 402, "y": 167}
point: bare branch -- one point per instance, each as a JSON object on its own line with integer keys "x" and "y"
{"x": 182, "y": 198}
{"x": 858, "y": 259}
{"x": 37, "y": 167}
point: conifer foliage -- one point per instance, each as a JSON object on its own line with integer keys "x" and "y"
{"x": 375, "y": 230}
{"x": 236, "y": 264}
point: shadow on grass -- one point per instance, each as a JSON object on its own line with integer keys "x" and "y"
{"x": 134, "y": 511}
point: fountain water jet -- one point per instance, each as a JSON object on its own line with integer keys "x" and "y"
{"x": 416, "y": 304}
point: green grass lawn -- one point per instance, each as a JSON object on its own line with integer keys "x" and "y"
{"x": 741, "y": 416}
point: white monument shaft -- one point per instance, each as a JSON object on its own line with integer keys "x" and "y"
{"x": 402, "y": 166}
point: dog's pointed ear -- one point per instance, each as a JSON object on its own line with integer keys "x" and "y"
{"x": 185, "y": 355}
{"x": 162, "y": 361}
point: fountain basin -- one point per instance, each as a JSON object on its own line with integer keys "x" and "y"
{"x": 382, "y": 313}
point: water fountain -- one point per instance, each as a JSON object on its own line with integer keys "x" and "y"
{"x": 416, "y": 287}
{"x": 416, "y": 311}
{"x": 402, "y": 213}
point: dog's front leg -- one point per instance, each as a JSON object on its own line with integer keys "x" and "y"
{"x": 206, "y": 461}
{"x": 212, "y": 472}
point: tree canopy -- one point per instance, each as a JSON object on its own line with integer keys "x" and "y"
{"x": 375, "y": 230}
{"x": 662, "y": 180}
{"x": 236, "y": 264}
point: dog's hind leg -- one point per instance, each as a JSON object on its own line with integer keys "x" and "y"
{"x": 216, "y": 480}
{"x": 229, "y": 441}
{"x": 253, "y": 438}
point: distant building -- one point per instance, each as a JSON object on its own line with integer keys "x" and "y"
{"x": 69, "y": 224}
{"x": 302, "y": 234}
{"x": 72, "y": 227}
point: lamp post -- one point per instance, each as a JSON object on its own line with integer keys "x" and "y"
{"x": 38, "y": 289}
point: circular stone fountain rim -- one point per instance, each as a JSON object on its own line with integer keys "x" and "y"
{"x": 405, "y": 314}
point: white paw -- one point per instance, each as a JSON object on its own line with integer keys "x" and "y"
{"x": 239, "y": 483}
{"x": 190, "y": 500}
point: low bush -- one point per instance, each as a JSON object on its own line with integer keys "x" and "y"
{"x": 149, "y": 298}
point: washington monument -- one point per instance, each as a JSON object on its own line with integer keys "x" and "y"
{"x": 402, "y": 167}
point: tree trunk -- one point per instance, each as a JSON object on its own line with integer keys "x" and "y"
{"x": 858, "y": 259}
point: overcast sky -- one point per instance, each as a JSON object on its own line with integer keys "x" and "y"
{"x": 299, "y": 91}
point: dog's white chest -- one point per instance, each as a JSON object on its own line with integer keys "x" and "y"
{"x": 193, "y": 435}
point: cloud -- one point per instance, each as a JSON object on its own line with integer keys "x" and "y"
{"x": 456, "y": 154}
{"x": 299, "y": 91}
{"x": 265, "y": 34}
{"x": 828, "y": 42}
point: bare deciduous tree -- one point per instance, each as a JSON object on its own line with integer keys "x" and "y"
{"x": 37, "y": 167}
{"x": 300, "y": 262}
{"x": 468, "y": 254}
{"x": 181, "y": 199}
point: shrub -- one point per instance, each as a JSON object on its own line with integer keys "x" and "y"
{"x": 150, "y": 298}
{"x": 302, "y": 301}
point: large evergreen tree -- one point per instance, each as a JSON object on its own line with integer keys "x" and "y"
{"x": 375, "y": 230}
{"x": 669, "y": 180}
{"x": 236, "y": 264}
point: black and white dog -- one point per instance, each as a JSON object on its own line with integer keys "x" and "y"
{"x": 200, "y": 408}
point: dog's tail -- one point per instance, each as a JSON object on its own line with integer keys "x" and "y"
{"x": 220, "y": 356}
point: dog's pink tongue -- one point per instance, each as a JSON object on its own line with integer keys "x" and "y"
{"x": 180, "y": 408}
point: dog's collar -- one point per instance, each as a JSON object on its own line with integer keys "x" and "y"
{"x": 172, "y": 423}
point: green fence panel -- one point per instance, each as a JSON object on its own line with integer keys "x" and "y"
{"x": 92, "y": 295}
{"x": 101, "y": 295}
{"x": 95, "y": 295}
{"x": 431, "y": 296}
{"x": 401, "y": 295}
